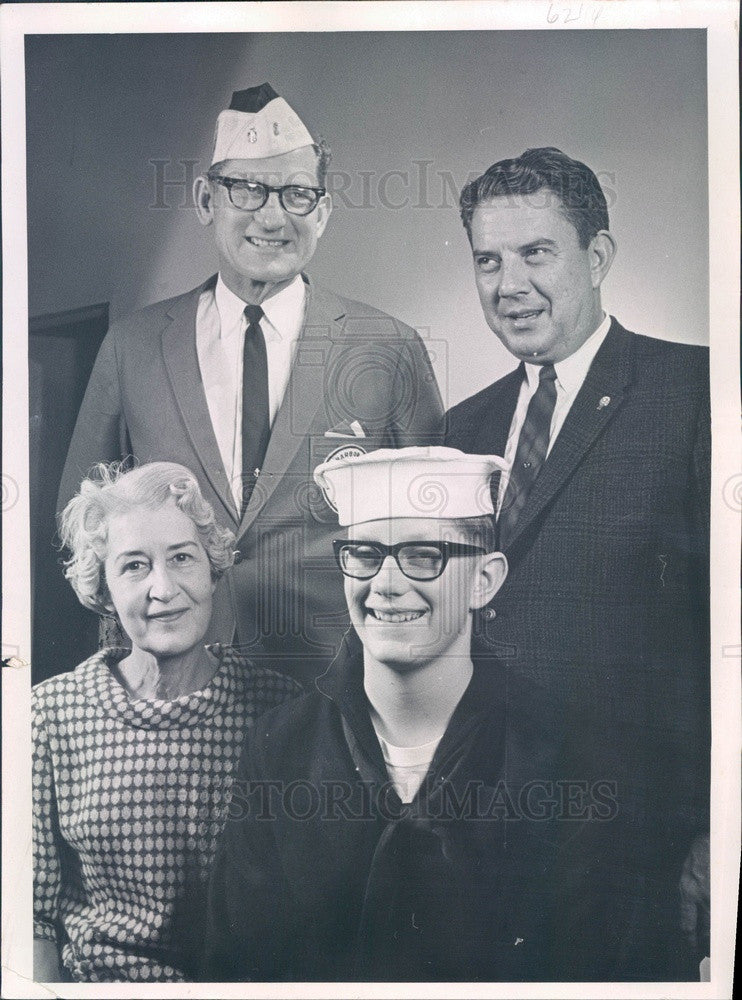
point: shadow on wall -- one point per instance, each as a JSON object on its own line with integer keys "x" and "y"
{"x": 118, "y": 124}
{"x": 62, "y": 348}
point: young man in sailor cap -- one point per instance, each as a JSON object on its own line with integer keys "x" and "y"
{"x": 253, "y": 378}
{"x": 393, "y": 824}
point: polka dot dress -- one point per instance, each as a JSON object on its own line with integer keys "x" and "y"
{"x": 129, "y": 799}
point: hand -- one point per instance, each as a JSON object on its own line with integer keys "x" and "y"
{"x": 695, "y": 896}
{"x": 46, "y": 965}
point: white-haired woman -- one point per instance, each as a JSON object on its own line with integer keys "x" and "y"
{"x": 134, "y": 750}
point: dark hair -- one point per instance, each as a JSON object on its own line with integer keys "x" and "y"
{"x": 579, "y": 192}
{"x": 324, "y": 155}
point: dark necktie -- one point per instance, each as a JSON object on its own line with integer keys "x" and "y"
{"x": 256, "y": 426}
{"x": 530, "y": 454}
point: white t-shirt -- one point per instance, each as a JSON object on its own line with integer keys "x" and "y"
{"x": 407, "y": 766}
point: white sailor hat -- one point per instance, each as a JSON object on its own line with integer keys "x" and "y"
{"x": 258, "y": 124}
{"x": 408, "y": 482}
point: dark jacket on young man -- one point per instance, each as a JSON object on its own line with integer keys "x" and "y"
{"x": 489, "y": 874}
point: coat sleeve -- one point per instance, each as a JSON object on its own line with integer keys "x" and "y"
{"x": 701, "y": 477}
{"x": 46, "y": 835}
{"x": 247, "y": 935}
{"x": 100, "y": 431}
{"x": 417, "y": 404}
{"x": 700, "y": 556}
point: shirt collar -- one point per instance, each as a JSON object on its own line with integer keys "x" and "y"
{"x": 571, "y": 371}
{"x": 342, "y": 682}
{"x": 231, "y": 309}
{"x": 284, "y": 310}
{"x": 343, "y": 679}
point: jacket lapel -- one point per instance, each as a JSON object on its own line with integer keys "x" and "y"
{"x": 304, "y": 394}
{"x": 181, "y": 361}
{"x": 485, "y": 428}
{"x": 494, "y": 423}
{"x": 342, "y": 683}
{"x": 596, "y": 404}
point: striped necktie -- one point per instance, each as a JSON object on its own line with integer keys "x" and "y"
{"x": 530, "y": 454}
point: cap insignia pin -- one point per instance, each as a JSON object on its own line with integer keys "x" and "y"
{"x": 252, "y": 135}
{"x": 276, "y": 128}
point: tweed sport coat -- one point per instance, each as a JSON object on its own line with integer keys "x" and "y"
{"x": 282, "y": 602}
{"x": 605, "y": 611}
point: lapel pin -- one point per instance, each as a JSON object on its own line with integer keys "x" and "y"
{"x": 603, "y": 402}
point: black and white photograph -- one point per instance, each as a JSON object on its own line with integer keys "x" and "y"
{"x": 371, "y": 499}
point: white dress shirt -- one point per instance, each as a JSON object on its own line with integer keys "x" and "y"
{"x": 570, "y": 375}
{"x": 220, "y": 341}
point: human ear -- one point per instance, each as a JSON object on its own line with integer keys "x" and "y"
{"x": 203, "y": 198}
{"x": 489, "y": 577}
{"x": 602, "y": 250}
{"x": 323, "y": 210}
{"x": 103, "y": 601}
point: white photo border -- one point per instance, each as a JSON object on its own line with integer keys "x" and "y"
{"x": 718, "y": 17}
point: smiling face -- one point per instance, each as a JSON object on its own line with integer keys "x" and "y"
{"x": 407, "y": 624}
{"x": 159, "y": 579}
{"x": 539, "y": 289}
{"x": 262, "y": 251}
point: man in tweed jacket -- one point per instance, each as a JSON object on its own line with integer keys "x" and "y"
{"x": 606, "y": 605}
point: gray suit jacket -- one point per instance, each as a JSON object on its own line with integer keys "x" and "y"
{"x": 283, "y": 600}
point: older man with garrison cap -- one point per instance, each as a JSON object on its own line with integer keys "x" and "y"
{"x": 254, "y": 378}
{"x": 603, "y": 514}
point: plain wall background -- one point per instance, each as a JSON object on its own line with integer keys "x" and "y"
{"x": 631, "y": 104}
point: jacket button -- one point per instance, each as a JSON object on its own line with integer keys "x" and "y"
{"x": 489, "y": 614}
{"x": 237, "y": 557}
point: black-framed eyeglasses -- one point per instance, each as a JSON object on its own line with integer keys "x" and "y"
{"x": 249, "y": 196}
{"x": 417, "y": 560}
